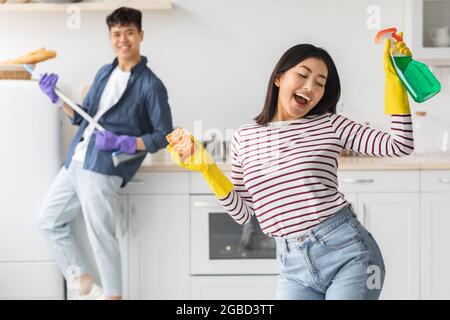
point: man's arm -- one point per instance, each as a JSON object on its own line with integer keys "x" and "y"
{"x": 68, "y": 110}
{"x": 159, "y": 115}
{"x": 140, "y": 144}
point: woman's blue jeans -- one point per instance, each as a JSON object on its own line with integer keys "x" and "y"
{"x": 338, "y": 259}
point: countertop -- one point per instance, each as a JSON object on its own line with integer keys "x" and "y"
{"x": 345, "y": 163}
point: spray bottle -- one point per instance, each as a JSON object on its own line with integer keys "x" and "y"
{"x": 415, "y": 76}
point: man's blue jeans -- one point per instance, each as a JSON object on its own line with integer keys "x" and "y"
{"x": 77, "y": 190}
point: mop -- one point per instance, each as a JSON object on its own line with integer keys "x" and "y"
{"x": 117, "y": 157}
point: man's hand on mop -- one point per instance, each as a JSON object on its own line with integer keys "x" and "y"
{"x": 108, "y": 141}
{"x": 47, "y": 83}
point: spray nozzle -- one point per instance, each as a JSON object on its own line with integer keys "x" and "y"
{"x": 388, "y": 33}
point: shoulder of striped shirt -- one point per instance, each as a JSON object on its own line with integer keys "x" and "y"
{"x": 250, "y": 126}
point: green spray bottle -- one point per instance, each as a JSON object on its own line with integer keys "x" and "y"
{"x": 415, "y": 76}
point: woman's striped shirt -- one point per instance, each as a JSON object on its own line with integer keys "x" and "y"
{"x": 285, "y": 172}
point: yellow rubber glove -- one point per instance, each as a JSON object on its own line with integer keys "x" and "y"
{"x": 395, "y": 95}
{"x": 201, "y": 161}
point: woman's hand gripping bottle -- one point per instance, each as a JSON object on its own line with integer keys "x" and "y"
{"x": 415, "y": 76}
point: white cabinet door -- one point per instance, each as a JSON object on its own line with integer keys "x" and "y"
{"x": 421, "y": 17}
{"x": 435, "y": 256}
{"x": 393, "y": 219}
{"x": 159, "y": 247}
{"x": 233, "y": 287}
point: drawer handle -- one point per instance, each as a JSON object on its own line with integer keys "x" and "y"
{"x": 123, "y": 221}
{"x": 134, "y": 222}
{"x": 363, "y": 215}
{"x": 444, "y": 180}
{"x": 206, "y": 204}
{"x": 135, "y": 182}
{"x": 347, "y": 180}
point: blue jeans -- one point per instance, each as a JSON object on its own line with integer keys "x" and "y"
{"x": 338, "y": 259}
{"x": 77, "y": 190}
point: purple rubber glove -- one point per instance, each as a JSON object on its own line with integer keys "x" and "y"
{"x": 108, "y": 141}
{"x": 47, "y": 84}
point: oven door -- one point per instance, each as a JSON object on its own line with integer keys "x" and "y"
{"x": 219, "y": 245}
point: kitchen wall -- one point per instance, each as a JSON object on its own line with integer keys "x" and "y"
{"x": 215, "y": 56}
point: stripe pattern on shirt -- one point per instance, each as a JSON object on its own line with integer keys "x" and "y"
{"x": 287, "y": 175}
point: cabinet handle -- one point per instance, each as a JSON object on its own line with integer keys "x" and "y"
{"x": 134, "y": 228}
{"x": 348, "y": 180}
{"x": 363, "y": 214}
{"x": 123, "y": 221}
{"x": 444, "y": 180}
{"x": 135, "y": 182}
{"x": 206, "y": 204}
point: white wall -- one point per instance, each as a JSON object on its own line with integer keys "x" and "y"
{"x": 215, "y": 56}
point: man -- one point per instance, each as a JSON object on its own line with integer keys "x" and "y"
{"x": 130, "y": 102}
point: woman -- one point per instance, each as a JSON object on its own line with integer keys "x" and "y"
{"x": 284, "y": 172}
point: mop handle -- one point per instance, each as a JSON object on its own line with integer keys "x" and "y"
{"x": 69, "y": 102}
{"x": 117, "y": 157}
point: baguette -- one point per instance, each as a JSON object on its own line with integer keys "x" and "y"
{"x": 33, "y": 57}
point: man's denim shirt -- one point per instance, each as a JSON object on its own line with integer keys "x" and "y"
{"x": 142, "y": 111}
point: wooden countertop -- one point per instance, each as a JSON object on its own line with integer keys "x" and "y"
{"x": 345, "y": 163}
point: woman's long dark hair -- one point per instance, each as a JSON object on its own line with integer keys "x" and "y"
{"x": 290, "y": 59}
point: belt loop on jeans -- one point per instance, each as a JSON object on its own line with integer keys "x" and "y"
{"x": 312, "y": 236}
{"x": 304, "y": 237}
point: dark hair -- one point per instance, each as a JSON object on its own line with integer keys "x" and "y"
{"x": 125, "y": 16}
{"x": 290, "y": 59}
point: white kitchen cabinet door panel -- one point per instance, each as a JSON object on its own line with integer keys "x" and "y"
{"x": 435, "y": 253}
{"x": 393, "y": 220}
{"x": 30, "y": 280}
{"x": 159, "y": 247}
{"x": 233, "y": 287}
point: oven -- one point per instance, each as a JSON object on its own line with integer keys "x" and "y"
{"x": 220, "y": 246}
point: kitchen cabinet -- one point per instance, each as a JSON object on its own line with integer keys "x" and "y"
{"x": 393, "y": 220}
{"x": 435, "y": 237}
{"x": 233, "y": 287}
{"x": 421, "y": 18}
{"x": 159, "y": 247}
{"x": 387, "y": 203}
{"x": 405, "y": 210}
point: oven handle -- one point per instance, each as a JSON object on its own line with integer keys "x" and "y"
{"x": 206, "y": 204}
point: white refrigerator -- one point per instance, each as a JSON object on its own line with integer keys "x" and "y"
{"x": 30, "y": 157}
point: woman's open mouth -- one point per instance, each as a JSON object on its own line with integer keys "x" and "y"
{"x": 301, "y": 99}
